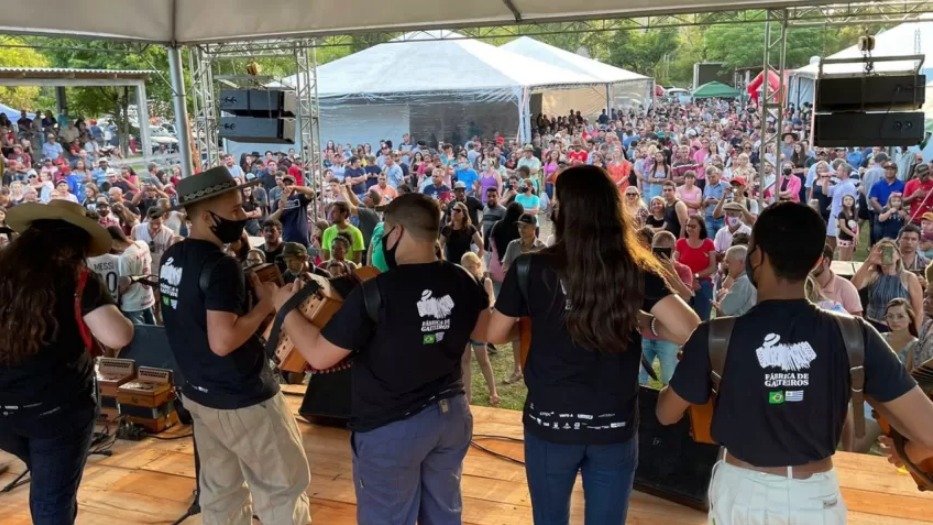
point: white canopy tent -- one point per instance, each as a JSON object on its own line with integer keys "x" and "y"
{"x": 911, "y": 38}
{"x": 435, "y": 90}
{"x": 182, "y": 22}
{"x": 617, "y": 87}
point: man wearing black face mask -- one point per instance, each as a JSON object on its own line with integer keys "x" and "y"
{"x": 230, "y": 390}
{"x": 411, "y": 423}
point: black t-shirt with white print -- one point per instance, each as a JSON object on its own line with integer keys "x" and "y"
{"x": 575, "y": 395}
{"x": 785, "y": 387}
{"x": 412, "y": 357}
{"x": 243, "y": 377}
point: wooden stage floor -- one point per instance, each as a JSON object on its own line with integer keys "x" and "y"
{"x": 150, "y": 482}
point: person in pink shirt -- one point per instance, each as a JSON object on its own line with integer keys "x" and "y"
{"x": 835, "y": 288}
{"x": 789, "y": 185}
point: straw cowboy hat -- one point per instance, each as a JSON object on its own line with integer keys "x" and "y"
{"x": 21, "y": 217}
{"x": 206, "y": 185}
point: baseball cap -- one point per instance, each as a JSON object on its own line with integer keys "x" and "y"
{"x": 459, "y": 185}
{"x": 293, "y": 249}
{"x": 527, "y": 218}
{"x": 739, "y": 181}
{"x": 928, "y": 216}
{"x": 922, "y": 169}
{"x": 732, "y": 206}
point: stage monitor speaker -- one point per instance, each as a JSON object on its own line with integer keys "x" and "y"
{"x": 671, "y": 465}
{"x": 259, "y": 102}
{"x": 150, "y": 348}
{"x": 897, "y": 128}
{"x": 261, "y": 130}
{"x": 327, "y": 400}
{"x": 870, "y": 93}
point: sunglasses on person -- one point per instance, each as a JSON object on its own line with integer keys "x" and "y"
{"x": 631, "y": 195}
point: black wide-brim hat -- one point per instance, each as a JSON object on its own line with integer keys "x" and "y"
{"x": 208, "y": 184}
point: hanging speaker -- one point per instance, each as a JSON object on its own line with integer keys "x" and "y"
{"x": 258, "y": 130}
{"x": 894, "y": 128}
{"x": 870, "y": 93}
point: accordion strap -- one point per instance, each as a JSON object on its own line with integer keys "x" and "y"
{"x": 294, "y": 302}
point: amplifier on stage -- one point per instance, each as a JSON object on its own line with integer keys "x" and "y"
{"x": 149, "y": 401}
{"x": 111, "y": 373}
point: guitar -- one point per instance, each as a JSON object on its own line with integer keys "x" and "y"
{"x": 922, "y": 472}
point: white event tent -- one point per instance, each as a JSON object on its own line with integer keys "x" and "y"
{"x": 617, "y": 87}
{"x": 435, "y": 90}
{"x": 909, "y": 38}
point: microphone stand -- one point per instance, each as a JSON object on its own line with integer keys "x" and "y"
{"x": 195, "y": 507}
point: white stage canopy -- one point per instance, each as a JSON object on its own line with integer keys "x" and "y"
{"x": 617, "y": 87}
{"x": 201, "y": 21}
{"x": 436, "y": 90}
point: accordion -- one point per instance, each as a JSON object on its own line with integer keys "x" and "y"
{"x": 318, "y": 300}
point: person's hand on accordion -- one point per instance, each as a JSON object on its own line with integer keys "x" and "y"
{"x": 282, "y": 294}
{"x": 265, "y": 293}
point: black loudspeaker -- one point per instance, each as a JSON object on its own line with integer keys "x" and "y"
{"x": 867, "y": 93}
{"x": 258, "y": 102}
{"x": 150, "y": 348}
{"x": 327, "y": 400}
{"x": 897, "y": 128}
{"x": 671, "y": 465}
{"x": 261, "y": 130}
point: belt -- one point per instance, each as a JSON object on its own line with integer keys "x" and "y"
{"x": 796, "y": 472}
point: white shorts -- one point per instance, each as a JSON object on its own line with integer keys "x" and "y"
{"x": 739, "y": 496}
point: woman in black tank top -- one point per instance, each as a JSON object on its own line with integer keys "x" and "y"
{"x": 672, "y": 223}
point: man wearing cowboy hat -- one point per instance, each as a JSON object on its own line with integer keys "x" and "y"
{"x": 247, "y": 439}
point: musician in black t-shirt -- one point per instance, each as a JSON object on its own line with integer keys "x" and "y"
{"x": 411, "y": 423}
{"x": 785, "y": 386}
{"x": 586, "y": 298}
{"x": 245, "y": 432}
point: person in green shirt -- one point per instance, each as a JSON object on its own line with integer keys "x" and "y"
{"x": 340, "y": 217}
{"x": 376, "y": 258}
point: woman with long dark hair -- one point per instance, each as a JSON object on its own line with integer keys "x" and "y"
{"x": 46, "y": 372}
{"x": 502, "y": 233}
{"x": 587, "y": 298}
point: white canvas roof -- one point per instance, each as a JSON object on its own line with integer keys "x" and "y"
{"x": 420, "y": 64}
{"x": 604, "y": 73}
{"x": 195, "y": 21}
{"x": 911, "y": 38}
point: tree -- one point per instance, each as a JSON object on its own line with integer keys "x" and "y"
{"x": 13, "y": 53}
{"x": 642, "y": 51}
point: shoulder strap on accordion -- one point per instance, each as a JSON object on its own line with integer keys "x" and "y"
{"x": 294, "y": 302}
{"x": 854, "y": 341}
{"x": 720, "y": 332}
{"x": 372, "y": 299}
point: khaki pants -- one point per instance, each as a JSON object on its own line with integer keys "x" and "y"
{"x": 253, "y": 450}
{"x": 739, "y": 496}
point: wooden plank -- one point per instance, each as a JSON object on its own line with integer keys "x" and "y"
{"x": 121, "y": 488}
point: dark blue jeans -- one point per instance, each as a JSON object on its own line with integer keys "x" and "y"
{"x": 409, "y": 470}
{"x": 608, "y": 474}
{"x": 55, "y": 459}
{"x": 702, "y": 301}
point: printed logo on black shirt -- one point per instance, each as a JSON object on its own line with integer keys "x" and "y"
{"x": 439, "y": 311}
{"x": 790, "y": 359}
{"x": 170, "y": 277}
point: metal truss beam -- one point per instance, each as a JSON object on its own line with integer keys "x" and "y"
{"x": 772, "y": 102}
{"x": 205, "y": 111}
{"x": 308, "y": 121}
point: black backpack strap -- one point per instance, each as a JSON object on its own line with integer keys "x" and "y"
{"x": 372, "y": 299}
{"x": 207, "y": 271}
{"x": 854, "y": 341}
{"x": 720, "y": 332}
{"x": 523, "y": 269}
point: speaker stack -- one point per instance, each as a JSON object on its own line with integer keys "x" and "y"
{"x": 258, "y": 116}
{"x": 869, "y": 110}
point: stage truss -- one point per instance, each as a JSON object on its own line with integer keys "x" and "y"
{"x": 202, "y": 59}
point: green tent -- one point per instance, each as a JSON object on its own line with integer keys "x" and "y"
{"x": 716, "y": 90}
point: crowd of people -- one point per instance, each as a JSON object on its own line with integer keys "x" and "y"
{"x": 616, "y": 237}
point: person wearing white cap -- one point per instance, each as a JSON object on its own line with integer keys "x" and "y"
{"x": 53, "y": 307}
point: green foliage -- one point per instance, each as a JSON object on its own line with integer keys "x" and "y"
{"x": 11, "y": 55}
